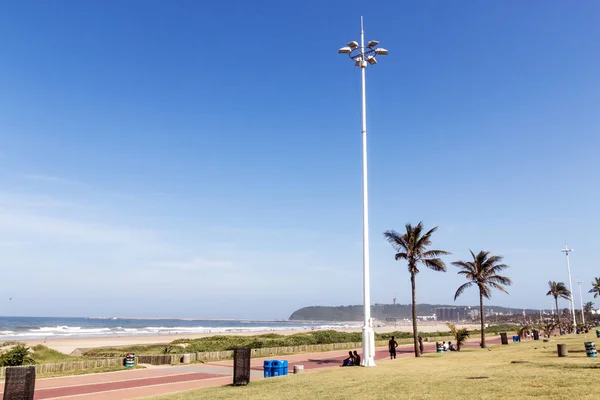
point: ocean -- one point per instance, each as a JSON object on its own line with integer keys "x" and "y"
{"x": 23, "y": 328}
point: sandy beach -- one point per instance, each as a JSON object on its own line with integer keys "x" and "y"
{"x": 69, "y": 345}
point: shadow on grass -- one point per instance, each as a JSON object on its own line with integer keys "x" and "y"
{"x": 570, "y": 366}
{"x": 328, "y": 362}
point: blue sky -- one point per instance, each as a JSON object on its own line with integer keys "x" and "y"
{"x": 196, "y": 159}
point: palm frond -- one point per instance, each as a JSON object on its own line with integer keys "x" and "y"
{"x": 503, "y": 280}
{"x": 424, "y": 240}
{"x": 434, "y": 263}
{"x": 395, "y": 239}
{"x": 467, "y": 265}
{"x": 435, "y": 254}
{"x": 498, "y": 286}
{"x": 461, "y": 289}
{"x": 566, "y": 296}
{"x": 451, "y": 328}
{"x": 485, "y": 290}
{"x": 481, "y": 257}
{"x": 492, "y": 261}
{"x": 595, "y": 287}
{"x": 494, "y": 269}
{"x": 472, "y": 254}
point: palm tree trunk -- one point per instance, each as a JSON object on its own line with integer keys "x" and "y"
{"x": 414, "y": 314}
{"x": 482, "y": 319}
{"x": 557, "y": 314}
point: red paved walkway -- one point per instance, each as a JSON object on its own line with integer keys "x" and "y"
{"x": 155, "y": 381}
{"x": 128, "y": 384}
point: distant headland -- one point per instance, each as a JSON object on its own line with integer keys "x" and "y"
{"x": 400, "y": 311}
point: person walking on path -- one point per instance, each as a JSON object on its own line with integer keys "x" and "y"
{"x": 420, "y": 345}
{"x": 392, "y": 347}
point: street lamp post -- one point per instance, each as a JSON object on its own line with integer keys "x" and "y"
{"x": 566, "y": 250}
{"x": 581, "y": 300}
{"x": 361, "y": 55}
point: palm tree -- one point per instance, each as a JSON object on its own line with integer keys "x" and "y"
{"x": 520, "y": 330}
{"x": 483, "y": 272}
{"x": 595, "y": 287}
{"x": 558, "y": 289}
{"x": 549, "y": 327}
{"x": 413, "y": 246}
{"x": 588, "y": 307}
{"x": 460, "y": 335}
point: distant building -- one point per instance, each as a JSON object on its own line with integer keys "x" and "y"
{"x": 432, "y": 317}
{"x": 455, "y": 313}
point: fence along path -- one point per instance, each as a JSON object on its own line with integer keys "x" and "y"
{"x": 165, "y": 359}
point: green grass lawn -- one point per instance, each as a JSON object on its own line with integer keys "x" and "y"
{"x": 519, "y": 370}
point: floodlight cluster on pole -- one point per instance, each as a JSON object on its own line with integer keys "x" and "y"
{"x": 362, "y": 56}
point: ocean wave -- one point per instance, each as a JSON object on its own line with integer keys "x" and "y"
{"x": 105, "y": 330}
{"x": 69, "y": 329}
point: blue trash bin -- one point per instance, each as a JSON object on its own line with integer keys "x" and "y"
{"x": 267, "y": 366}
{"x": 515, "y": 339}
{"x": 285, "y": 367}
{"x": 276, "y": 368}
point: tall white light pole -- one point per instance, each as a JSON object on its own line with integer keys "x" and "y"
{"x": 581, "y": 300}
{"x": 566, "y": 250}
{"x": 361, "y": 55}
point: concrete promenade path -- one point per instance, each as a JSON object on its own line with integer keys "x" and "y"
{"x": 157, "y": 380}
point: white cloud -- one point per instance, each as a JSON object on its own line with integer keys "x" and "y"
{"x": 195, "y": 264}
{"x": 34, "y": 201}
{"x": 17, "y": 221}
{"x": 52, "y": 179}
{"x": 78, "y": 186}
{"x": 13, "y": 243}
{"x": 71, "y": 240}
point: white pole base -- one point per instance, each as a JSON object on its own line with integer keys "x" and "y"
{"x": 368, "y": 347}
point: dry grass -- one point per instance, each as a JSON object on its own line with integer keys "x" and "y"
{"x": 520, "y": 370}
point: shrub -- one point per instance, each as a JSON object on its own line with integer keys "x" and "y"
{"x": 17, "y": 355}
{"x": 271, "y": 336}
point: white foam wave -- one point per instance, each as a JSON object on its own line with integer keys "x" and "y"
{"x": 69, "y": 329}
{"x": 78, "y": 331}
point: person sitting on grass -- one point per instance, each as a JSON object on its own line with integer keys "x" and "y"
{"x": 451, "y": 346}
{"x": 348, "y": 362}
{"x": 445, "y": 346}
{"x": 356, "y": 359}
